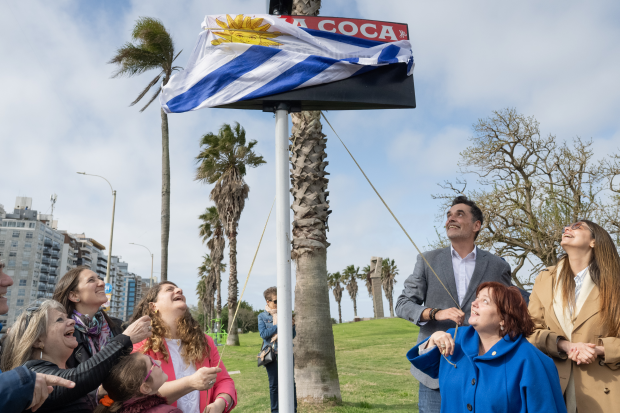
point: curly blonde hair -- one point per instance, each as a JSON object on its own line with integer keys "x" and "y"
{"x": 195, "y": 347}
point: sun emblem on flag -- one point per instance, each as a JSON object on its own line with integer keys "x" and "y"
{"x": 245, "y": 29}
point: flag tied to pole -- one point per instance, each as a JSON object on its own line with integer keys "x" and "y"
{"x": 242, "y": 57}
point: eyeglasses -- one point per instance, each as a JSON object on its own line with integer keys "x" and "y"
{"x": 151, "y": 369}
{"x": 576, "y": 225}
{"x": 274, "y": 301}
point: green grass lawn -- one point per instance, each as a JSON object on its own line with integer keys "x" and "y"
{"x": 373, "y": 371}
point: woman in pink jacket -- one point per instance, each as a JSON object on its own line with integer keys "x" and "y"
{"x": 197, "y": 379}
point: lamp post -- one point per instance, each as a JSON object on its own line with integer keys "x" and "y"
{"x": 144, "y": 246}
{"x": 107, "y": 273}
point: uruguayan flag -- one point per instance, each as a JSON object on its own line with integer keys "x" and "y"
{"x": 251, "y": 56}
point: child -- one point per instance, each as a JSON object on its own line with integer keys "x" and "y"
{"x": 132, "y": 387}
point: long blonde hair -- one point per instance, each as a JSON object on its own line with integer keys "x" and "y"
{"x": 195, "y": 347}
{"x": 29, "y": 327}
{"x": 604, "y": 270}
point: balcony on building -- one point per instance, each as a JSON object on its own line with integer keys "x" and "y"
{"x": 42, "y": 286}
{"x": 40, "y": 294}
{"x": 56, "y": 246}
{"x": 52, "y": 279}
{"x": 47, "y": 251}
{"x": 43, "y": 278}
{"x": 45, "y": 269}
{"x": 48, "y": 242}
{"x": 45, "y": 260}
{"x": 54, "y": 263}
{"x": 55, "y": 254}
{"x": 49, "y": 295}
{"x": 50, "y": 288}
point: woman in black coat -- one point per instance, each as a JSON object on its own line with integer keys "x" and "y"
{"x": 82, "y": 293}
{"x": 42, "y": 340}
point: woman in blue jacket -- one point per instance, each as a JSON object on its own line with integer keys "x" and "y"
{"x": 268, "y": 329}
{"x": 490, "y": 366}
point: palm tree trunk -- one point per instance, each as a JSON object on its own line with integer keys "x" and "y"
{"x": 218, "y": 307}
{"x": 316, "y": 373}
{"x": 391, "y": 300}
{"x": 354, "y": 306}
{"x": 165, "y": 195}
{"x": 233, "y": 336}
{"x": 339, "y": 313}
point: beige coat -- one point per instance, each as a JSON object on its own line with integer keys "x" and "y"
{"x": 597, "y": 385}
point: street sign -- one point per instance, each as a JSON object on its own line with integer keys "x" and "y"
{"x": 108, "y": 288}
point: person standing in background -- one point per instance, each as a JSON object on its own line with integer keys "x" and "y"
{"x": 439, "y": 304}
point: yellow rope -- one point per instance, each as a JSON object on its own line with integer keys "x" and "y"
{"x": 231, "y": 324}
{"x": 399, "y": 224}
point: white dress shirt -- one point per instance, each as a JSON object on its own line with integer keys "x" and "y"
{"x": 463, "y": 270}
{"x": 190, "y": 403}
{"x": 579, "y": 281}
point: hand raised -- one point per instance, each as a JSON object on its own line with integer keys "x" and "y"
{"x": 43, "y": 387}
{"x": 453, "y": 314}
{"x": 444, "y": 341}
{"x": 204, "y": 378}
{"x": 139, "y": 329}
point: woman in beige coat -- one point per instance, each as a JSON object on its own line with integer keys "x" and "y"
{"x": 576, "y": 310}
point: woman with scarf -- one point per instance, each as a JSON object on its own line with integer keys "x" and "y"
{"x": 576, "y": 311}
{"x": 268, "y": 329}
{"x": 82, "y": 293}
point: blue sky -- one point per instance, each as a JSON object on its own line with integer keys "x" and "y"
{"x": 61, "y": 113}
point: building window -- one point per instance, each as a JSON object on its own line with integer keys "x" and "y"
{"x": 25, "y": 264}
{"x": 21, "y": 292}
{"x": 11, "y": 264}
{"x": 14, "y": 244}
{"x": 21, "y": 224}
{"x": 26, "y": 254}
{"x": 10, "y": 273}
{"x": 11, "y": 224}
{"x": 28, "y": 246}
{"x": 8, "y": 292}
{"x": 3, "y": 231}
{"x": 29, "y": 235}
{"x": 24, "y": 273}
{"x": 20, "y": 303}
{"x": 31, "y": 225}
{"x": 16, "y": 234}
{"x": 13, "y": 254}
{"x": 22, "y": 283}
{"x": 1, "y": 243}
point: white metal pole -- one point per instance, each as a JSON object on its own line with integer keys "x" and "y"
{"x": 283, "y": 266}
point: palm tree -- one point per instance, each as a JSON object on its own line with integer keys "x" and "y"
{"x": 212, "y": 233}
{"x": 366, "y": 276}
{"x": 388, "y": 279}
{"x": 316, "y": 373}
{"x": 153, "y": 49}
{"x": 205, "y": 289}
{"x": 223, "y": 161}
{"x": 349, "y": 277}
{"x": 334, "y": 281}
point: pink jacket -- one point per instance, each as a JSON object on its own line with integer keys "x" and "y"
{"x": 223, "y": 382}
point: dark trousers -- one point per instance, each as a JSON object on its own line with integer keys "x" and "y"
{"x": 272, "y": 373}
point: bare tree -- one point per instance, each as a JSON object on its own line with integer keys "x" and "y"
{"x": 530, "y": 187}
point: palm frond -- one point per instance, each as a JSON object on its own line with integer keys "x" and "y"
{"x": 147, "y": 88}
{"x": 151, "y": 101}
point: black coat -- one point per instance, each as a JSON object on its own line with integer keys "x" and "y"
{"x": 82, "y": 352}
{"x": 87, "y": 377}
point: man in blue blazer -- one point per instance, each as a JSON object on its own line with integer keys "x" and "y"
{"x": 21, "y": 388}
{"x": 460, "y": 268}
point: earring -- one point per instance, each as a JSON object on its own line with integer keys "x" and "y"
{"x": 41, "y": 357}
{"x": 501, "y": 327}
{"x": 77, "y": 301}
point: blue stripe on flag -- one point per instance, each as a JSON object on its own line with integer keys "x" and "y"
{"x": 293, "y": 77}
{"x": 351, "y": 59}
{"x": 388, "y": 54}
{"x": 220, "y": 78}
{"x": 343, "y": 38}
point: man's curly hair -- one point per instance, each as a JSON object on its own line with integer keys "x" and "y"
{"x": 194, "y": 348}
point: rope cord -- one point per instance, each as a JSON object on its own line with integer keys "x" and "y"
{"x": 399, "y": 224}
{"x": 246, "y": 282}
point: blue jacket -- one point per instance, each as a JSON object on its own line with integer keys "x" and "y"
{"x": 266, "y": 329}
{"x": 513, "y": 376}
{"x": 16, "y": 389}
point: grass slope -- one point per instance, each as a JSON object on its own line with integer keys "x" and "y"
{"x": 373, "y": 371}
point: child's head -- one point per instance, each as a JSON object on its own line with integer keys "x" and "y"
{"x": 135, "y": 375}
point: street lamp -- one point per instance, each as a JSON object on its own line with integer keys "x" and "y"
{"x": 107, "y": 273}
{"x": 140, "y": 245}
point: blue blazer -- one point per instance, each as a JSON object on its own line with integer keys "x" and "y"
{"x": 16, "y": 389}
{"x": 513, "y": 376}
{"x": 266, "y": 329}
